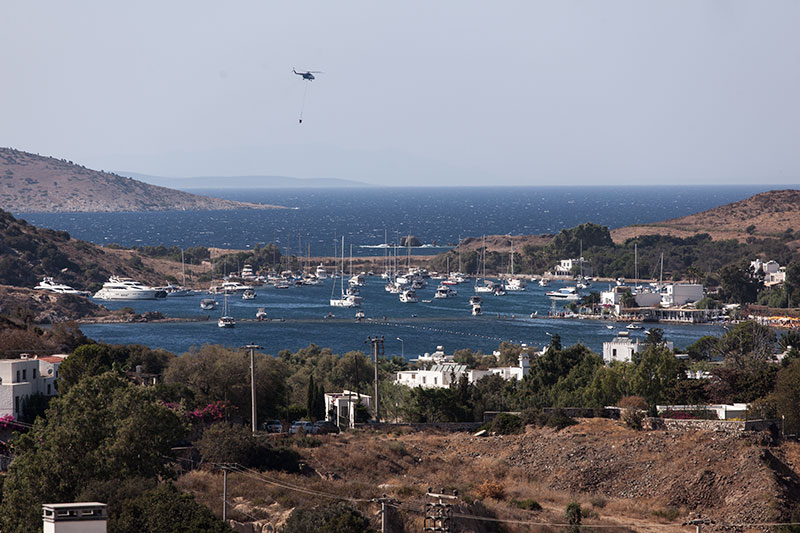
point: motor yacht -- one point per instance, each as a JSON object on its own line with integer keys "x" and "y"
{"x": 516, "y": 284}
{"x": 127, "y": 289}
{"x": 208, "y": 304}
{"x": 569, "y": 294}
{"x": 47, "y": 284}
{"x": 321, "y": 272}
{"x": 445, "y": 291}
{"x": 409, "y": 296}
{"x": 249, "y": 294}
{"x": 261, "y": 314}
{"x": 487, "y": 287}
{"x": 228, "y": 287}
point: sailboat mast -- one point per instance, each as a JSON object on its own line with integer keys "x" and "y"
{"x": 183, "y": 268}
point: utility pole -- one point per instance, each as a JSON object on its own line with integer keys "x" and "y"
{"x": 383, "y": 500}
{"x": 377, "y": 349}
{"x": 253, "y": 347}
{"x": 698, "y": 523}
{"x": 438, "y": 514}
{"x": 224, "y": 467}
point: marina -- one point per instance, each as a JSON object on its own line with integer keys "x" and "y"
{"x": 303, "y": 315}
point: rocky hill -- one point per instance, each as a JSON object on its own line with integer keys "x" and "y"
{"x": 769, "y": 214}
{"x": 34, "y": 183}
{"x": 28, "y": 253}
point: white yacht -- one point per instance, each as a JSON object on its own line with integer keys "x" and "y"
{"x": 321, "y": 272}
{"x": 175, "y": 291}
{"x": 357, "y": 280}
{"x": 249, "y": 294}
{"x": 568, "y": 294}
{"x": 516, "y": 284}
{"x": 544, "y": 282}
{"x": 47, "y": 284}
{"x": 228, "y": 287}
{"x": 487, "y": 287}
{"x": 445, "y": 291}
{"x": 409, "y": 296}
{"x": 127, "y": 289}
{"x": 261, "y": 314}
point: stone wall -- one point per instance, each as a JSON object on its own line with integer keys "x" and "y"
{"x": 724, "y": 426}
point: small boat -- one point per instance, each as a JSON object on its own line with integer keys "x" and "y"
{"x": 360, "y": 315}
{"x": 475, "y": 300}
{"x": 208, "y": 304}
{"x": 174, "y": 291}
{"x": 476, "y": 309}
{"x": 321, "y": 272}
{"x": 487, "y": 287}
{"x": 249, "y": 294}
{"x": 281, "y": 284}
{"x": 567, "y": 294}
{"x": 261, "y": 314}
{"x": 499, "y": 290}
{"x": 226, "y": 321}
{"x": 634, "y": 326}
{"x": 609, "y": 326}
{"x": 516, "y": 285}
{"x": 544, "y": 282}
{"x": 409, "y": 296}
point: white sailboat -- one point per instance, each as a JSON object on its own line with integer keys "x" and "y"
{"x": 345, "y": 300}
{"x": 226, "y": 321}
{"x": 513, "y": 283}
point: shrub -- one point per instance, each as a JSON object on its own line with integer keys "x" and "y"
{"x": 490, "y": 489}
{"x": 559, "y": 420}
{"x": 527, "y": 504}
{"x": 573, "y": 516}
{"x": 336, "y": 518}
{"x": 633, "y": 411}
{"x": 506, "y": 424}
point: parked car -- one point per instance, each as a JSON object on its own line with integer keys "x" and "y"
{"x": 324, "y": 427}
{"x": 305, "y": 425}
{"x": 273, "y": 426}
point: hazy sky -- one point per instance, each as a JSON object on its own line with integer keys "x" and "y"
{"x": 417, "y": 93}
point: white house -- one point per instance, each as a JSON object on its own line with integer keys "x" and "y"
{"x": 22, "y": 378}
{"x": 437, "y": 376}
{"x": 340, "y": 406}
{"x": 505, "y": 372}
{"x": 678, "y": 294}
{"x": 723, "y": 411}
{"x": 622, "y": 348}
{"x": 565, "y": 267}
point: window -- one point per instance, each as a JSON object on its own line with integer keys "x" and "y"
{"x": 34, "y": 373}
{"x": 423, "y": 379}
{"x": 24, "y": 374}
{"x": 435, "y": 381}
{"x": 17, "y": 375}
{"x": 48, "y": 389}
{"x": 613, "y": 352}
{"x": 16, "y": 404}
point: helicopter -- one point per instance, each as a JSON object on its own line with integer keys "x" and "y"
{"x": 307, "y": 75}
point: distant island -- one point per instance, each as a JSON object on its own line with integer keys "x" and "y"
{"x": 30, "y": 183}
{"x": 245, "y": 182}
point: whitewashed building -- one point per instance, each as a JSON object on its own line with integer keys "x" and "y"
{"x": 437, "y": 376}
{"x": 678, "y": 294}
{"x": 567, "y": 267}
{"x": 340, "y": 407}
{"x": 623, "y": 346}
{"x": 83, "y": 517}
{"x": 436, "y": 357}
{"x": 22, "y": 378}
{"x": 506, "y": 372}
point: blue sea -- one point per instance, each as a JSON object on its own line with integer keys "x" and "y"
{"x": 437, "y": 216}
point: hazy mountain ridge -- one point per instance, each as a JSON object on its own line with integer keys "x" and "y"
{"x": 34, "y": 183}
{"x": 245, "y": 182}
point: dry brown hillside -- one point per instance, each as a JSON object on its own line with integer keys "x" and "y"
{"x": 33, "y": 183}
{"x": 639, "y": 480}
{"x": 766, "y": 215}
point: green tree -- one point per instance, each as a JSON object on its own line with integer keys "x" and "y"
{"x": 655, "y": 373}
{"x": 573, "y": 517}
{"x": 215, "y": 373}
{"x": 103, "y": 428}
{"x": 165, "y": 509}
{"x": 739, "y": 284}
